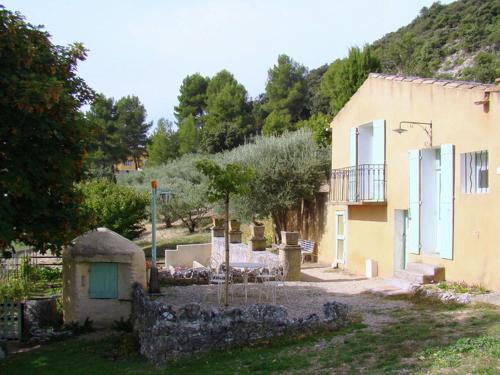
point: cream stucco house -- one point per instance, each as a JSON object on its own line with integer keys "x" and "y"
{"x": 415, "y": 186}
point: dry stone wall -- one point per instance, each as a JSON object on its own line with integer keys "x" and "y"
{"x": 166, "y": 333}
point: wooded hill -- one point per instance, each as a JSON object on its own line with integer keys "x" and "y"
{"x": 460, "y": 40}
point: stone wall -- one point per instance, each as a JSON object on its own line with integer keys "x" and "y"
{"x": 166, "y": 332}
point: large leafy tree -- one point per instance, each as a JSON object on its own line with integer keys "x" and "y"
{"x": 188, "y": 136}
{"x": 316, "y": 103}
{"x": 278, "y": 122}
{"x": 225, "y": 124}
{"x": 42, "y": 136}
{"x": 104, "y": 148}
{"x": 286, "y": 90}
{"x": 319, "y": 124}
{"x": 258, "y": 113}
{"x": 163, "y": 145}
{"x": 132, "y": 126}
{"x": 344, "y": 77}
{"x": 192, "y": 98}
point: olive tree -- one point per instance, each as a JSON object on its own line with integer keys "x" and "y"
{"x": 225, "y": 181}
{"x": 288, "y": 169}
{"x": 186, "y": 187}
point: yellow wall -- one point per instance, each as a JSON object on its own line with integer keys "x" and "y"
{"x": 456, "y": 120}
{"x": 122, "y": 168}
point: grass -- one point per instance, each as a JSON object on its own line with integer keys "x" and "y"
{"x": 171, "y": 243}
{"x": 424, "y": 337}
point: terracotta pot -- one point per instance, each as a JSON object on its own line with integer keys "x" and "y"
{"x": 234, "y": 225}
{"x": 289, "y": 238}
{"x": 257, "y": 231}
{"x": 218, "y": 222}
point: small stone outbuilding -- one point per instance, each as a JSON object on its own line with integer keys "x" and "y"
{"x": 99, "y": 269}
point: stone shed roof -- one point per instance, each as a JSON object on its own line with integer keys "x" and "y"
{"x": 102, "y": 245}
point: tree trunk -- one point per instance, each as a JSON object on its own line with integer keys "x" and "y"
{"x": 276, "y": 228}
{"x": 168, "y": 222}
{"x": 226, "y": 240}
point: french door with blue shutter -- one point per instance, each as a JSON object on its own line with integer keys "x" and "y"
{"x": 431, "y": 197}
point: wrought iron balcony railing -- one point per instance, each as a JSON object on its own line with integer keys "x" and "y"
{"x": 364, "y": 183}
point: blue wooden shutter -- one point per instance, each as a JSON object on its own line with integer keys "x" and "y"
{"x": 353, "y": 147}
{"x": 378, "y": 142}
{"x": 446, "y": 202}
{"x": 413, "y": 235}
{"x": 353, "y": 162}
{"x": 378, "y": 158}
{"x": 103, "y": 280}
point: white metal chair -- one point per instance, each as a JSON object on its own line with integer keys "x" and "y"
{"x": 217, "y": 276}
{"x": 267, "y": 279}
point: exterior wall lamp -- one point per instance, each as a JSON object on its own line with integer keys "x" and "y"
{"x": 425, "y": 126}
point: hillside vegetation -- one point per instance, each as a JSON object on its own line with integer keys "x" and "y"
{"x": 460, "y": 40}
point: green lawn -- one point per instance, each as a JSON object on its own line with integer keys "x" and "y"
{"x": 427, "y": 338}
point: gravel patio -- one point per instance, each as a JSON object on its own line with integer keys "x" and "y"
{"x": 318, "y": 285}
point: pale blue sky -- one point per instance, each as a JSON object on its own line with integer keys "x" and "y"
{"x": 146, "y": 48}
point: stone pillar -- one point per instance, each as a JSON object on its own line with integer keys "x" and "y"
{"x": 234, "y": 231}
{"x": 258, "y": 241}
{"x": 290, "y": 253}
{"x": 217, "y": 227}
{"x": 235, "y": 236}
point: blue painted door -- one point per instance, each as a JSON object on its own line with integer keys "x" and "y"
{"x": 103, "y": 280}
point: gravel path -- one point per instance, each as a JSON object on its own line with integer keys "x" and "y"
{"x": 301, "y": 298}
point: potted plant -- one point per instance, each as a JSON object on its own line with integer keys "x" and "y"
{"x": 257, "y": 230}
{"x": 290, "y": 238}
{"x": 217, "y": 222}
{"x": 234, "y": 225}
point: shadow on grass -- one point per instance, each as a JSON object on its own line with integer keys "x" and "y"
{"x": 420, "y": 331}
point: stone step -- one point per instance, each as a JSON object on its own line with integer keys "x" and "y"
{"x": 414, "y": 277}
{"x": 401, "y": 284}
{"x": 427, "y": 269}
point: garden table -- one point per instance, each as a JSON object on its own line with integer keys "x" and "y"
{"x": 246, "y": 268}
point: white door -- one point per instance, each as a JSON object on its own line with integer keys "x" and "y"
{"x": 340, "y": 237}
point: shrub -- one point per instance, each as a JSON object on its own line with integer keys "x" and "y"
{"x": 119, "y": 208}
{"x": 14, "y": 289}
{"x": 47, "y": 274}
{"x": 78, "y": 328}
{"x": 123, "y": 325}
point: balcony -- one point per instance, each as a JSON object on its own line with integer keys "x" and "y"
{"x": 361, "y": 184}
